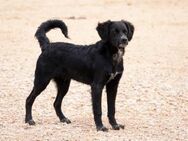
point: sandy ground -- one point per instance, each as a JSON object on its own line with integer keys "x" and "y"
{"x": 152, "y": 99}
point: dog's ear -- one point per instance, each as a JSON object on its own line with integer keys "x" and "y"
{"x": 103, "y": 29}
{"x": 130, "y": 28}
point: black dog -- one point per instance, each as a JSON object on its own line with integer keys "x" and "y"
{"x": 97, "y": 65}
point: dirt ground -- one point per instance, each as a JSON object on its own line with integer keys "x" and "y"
{"x": 152, "y": 100}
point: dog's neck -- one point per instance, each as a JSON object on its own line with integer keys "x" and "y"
{"x": 118, "y": 56}
{"x": 113, "y": 52}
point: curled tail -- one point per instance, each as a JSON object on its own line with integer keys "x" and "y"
{"x": 47, "y": 26}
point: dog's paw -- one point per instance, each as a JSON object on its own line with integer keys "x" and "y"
{"x": 30, "y": 122}
{"x": 118, "y": 126}
{"x": 102, "y": 128}
{"x": 65, "y": 120}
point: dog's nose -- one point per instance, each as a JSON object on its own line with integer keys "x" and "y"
{"x": 124, "y": 40}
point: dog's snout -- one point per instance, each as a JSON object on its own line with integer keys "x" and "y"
{"x": 124, "y": 40}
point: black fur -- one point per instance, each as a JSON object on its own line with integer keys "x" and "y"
{"x": 130, "y": 28}
{"x": 45, "y": 27}
{"x": 97, "y": 65}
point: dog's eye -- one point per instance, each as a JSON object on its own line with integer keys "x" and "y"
{"x": 124, "y": 31}
{"x": 116, "y": 30}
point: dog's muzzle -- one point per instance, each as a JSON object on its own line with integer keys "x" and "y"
{"x": 122, "y": 46}
{"x": 123, "y": 42}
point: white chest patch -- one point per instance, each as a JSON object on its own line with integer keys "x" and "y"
{"x": 118, "y": 56}
{"x": 117, "y": 59}
{"x": 113, "y": 75}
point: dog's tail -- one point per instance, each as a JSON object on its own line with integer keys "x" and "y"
{"x": 47, "y": 26}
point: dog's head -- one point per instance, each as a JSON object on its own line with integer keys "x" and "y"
{"x": 117, "y": 33}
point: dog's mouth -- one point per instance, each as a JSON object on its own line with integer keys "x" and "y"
{"x": 122, "y": 46}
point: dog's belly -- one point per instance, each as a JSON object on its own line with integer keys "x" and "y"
{"x": 86, "y": 79}
{"x": 80, "y": 76}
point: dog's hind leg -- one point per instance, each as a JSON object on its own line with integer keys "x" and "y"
{"x": 41, "y": 81}
{"x": 62, "y": 88}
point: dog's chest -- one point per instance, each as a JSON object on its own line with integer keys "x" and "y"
{"x": 118, "y": 56}
{"x": 113, "y": 75}
{"x": 117, "y": 66}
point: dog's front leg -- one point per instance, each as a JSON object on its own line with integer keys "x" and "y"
{"x": 96, "y": 92}
{"x": 111, "y": 89}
